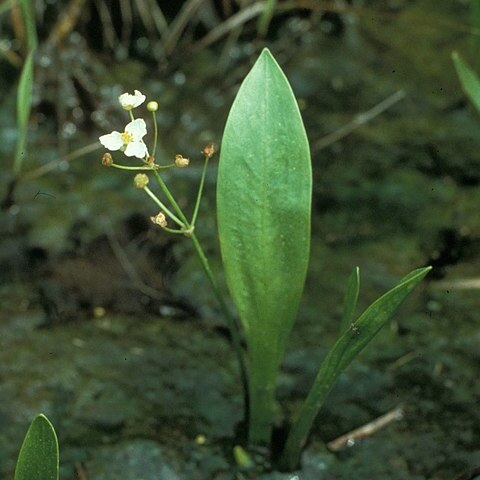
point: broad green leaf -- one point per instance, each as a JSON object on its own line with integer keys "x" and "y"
{"x": 469, "y": 80}
{"x": 350, "y": 300}
{"x": 346, "y": 348}
{"x": 263, "y": 201}
{"x": 38, "y": 458}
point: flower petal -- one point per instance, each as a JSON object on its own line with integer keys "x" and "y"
{"x": 113, "y": 141}
{"x": 136, "y": 149}
{"x": 138, "y": 128}
{"x": 128, "y": 101}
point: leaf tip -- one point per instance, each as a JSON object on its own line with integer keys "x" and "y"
{"x": 426, "y": 269}
{"x": 43, "y": 418}
{"x": 266, "y": 52}
{"x": 267, "y": 56}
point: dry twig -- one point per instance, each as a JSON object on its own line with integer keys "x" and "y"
{"x": 80, "y": 472}
{"x": 358, "y": 121}
{"x": 53, "y": 164}
{"x": 366, "y": 430}
{"x": 66, "y": 22}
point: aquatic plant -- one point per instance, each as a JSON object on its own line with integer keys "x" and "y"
{"x": 468, "y": 79}
{"x": 264, "y": 212}
{"x": 26, "y": 23}
{"x": 38, "y": 458}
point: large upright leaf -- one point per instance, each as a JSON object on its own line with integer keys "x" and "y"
{"x": 263, "y": 201}
{"x": 38, "y": 458}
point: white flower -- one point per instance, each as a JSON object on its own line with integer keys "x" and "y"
{"x": 128, "y": 101}
{"x": 130, "y": 141}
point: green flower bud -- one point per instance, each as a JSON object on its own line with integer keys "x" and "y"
{"x": 152, "y": 106}
{"x": 140, "y": 180}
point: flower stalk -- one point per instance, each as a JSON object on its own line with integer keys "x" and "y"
{"x": 131, "y": 143}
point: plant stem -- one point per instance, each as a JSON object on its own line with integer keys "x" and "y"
{"x": 173, "y": 230}
{"x": 262, "y": 383}
{"x": 200, "y": 191}
{"x": 155, "y": 133}
{"x": 163, "y": 207}
{"x": 171, "y": 199}
{"x": 128, "y": 167}
{"x": 298, "y": 434}
{"x": 232, "y": 326}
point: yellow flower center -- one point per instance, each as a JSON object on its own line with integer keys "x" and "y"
{"x": 126, "y": 137}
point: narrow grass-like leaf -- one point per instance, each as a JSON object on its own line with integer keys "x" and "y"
{"x": 475, "y": 20}
{"x": 28, "y": 13}
{"x": 346, "y": 348}
{"x": 24, "y": 94}
{"x": 469, "y": 80}
{"x": 24, "y": 106}
{"x": 38, "y": 458}
{"x": 263, "y": 201}
{"x": 266, "y": 16}
{"x": 6, "y": 6}
{"x": 350, "y": 300}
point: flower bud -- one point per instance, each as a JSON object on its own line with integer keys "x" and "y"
{"x": 209, "y": 150}
{"x": 107, "y": 160}
{"x": 152, "y": 106}
{"x": 159, "y": 219}
{"x": 181, "y": 162}
{"x": 140, "y": 180}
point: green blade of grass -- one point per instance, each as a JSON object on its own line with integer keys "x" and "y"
{"x": 27, "y": 7}
{"x": 469, "y": 80}
{"x": 38, "y": 458}
{"x": 266, "y": 17}
{"x": 350, "y": 300}
{"x": 346, "y": 348}
{"x": 6, "y": 6}
{"x": 24, "y": 106}
{"x": 475, "y": 20}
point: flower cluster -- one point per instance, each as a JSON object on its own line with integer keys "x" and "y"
{"x": 130, "y": 141}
